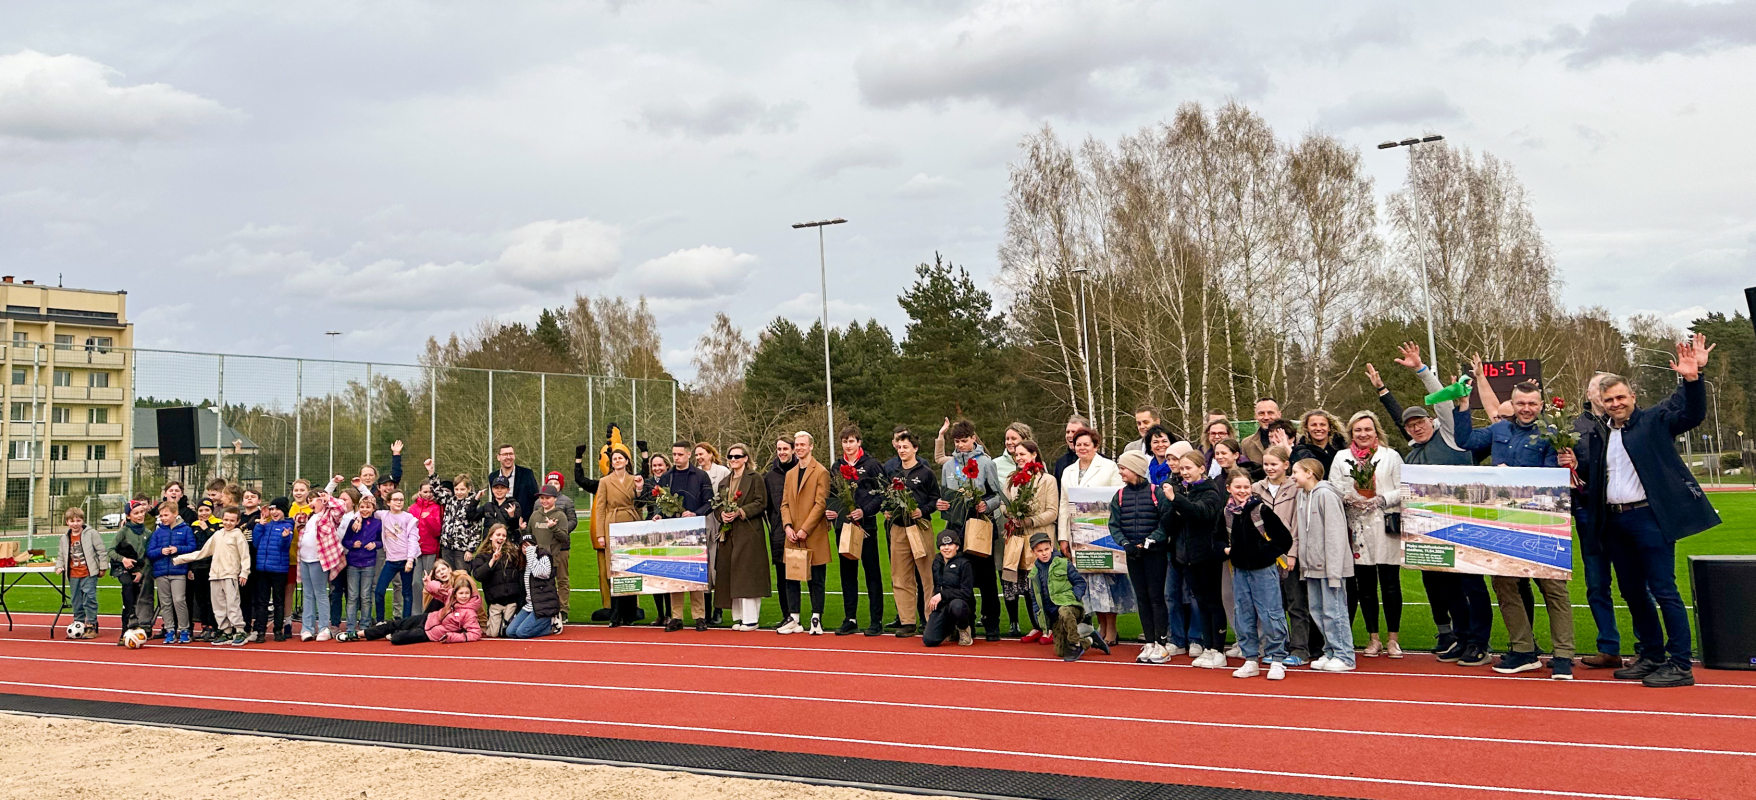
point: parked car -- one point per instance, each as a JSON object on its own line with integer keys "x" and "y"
{"x": 110, "y": 521}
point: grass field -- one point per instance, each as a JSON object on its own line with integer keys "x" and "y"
{"x": 1516, "y": 516}
{"x": 1736, "y": 535}
{"x": 664, "y": 551}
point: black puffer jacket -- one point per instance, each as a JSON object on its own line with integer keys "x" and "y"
{"x": 1199, "y": 530}
{"x": 502, "y": 583}
{"x": 545, "y": 601}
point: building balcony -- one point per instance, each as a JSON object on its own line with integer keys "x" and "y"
{"x": 94, "y": 394}
{"x": 85, "y": 430}
{"x": 24, "y": 392}
{"x": 84, "y": 468}
{"x": 79, "y": 355}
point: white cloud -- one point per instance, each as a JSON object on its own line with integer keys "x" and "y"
{"x": 67, "y": 97}
{"x": 1647, "y": 29}
{"x": 697, "y": 273}
{"x": 864, "y": 150}
{"x": 724, "y": 115}
{"x": 1380, "y": 107}
{"x": 924, "y": 185}
{"x": 556, "y": 252}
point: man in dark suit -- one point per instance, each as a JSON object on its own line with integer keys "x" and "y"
{"x": 695, "y": 489}
{"x": 1640, "y": 498}
{"x": 520, "y": 479}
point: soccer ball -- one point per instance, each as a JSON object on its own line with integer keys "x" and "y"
{"x": 134, "y": 639}
{"x": 76, "y": 630}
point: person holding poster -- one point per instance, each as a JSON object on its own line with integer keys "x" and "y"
{"x": 1199, "y": 547}
{"x": 1374, "y": 512}
{"x": 741, "y": 576}
{"x": 1106, "y": 594}
{"x": 869, "y": 475}
{"x": 807, "y": 529}
{"x": 612, "y": 500}
{"x": 1642, "y": 499}
{"x": 957, "y": 477}
{"x": 695, "y": 488}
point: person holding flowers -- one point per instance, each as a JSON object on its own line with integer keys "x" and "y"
{"x": 806, "y": 527}
{"x": 740, "y": 579}
{"x": 1032, "y": 508}
{"x": 1369, "y": 476}
{"x": 856, "y": 499}
{"x": 972, "y": 492}
{"x": 910, "y": 496}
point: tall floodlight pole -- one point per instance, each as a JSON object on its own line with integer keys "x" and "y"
{"x": 823, "y": 279}
{"x": 1414, "y": 200}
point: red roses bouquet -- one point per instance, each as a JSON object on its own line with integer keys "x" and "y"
{"x": 1024, "y": 493}
{"x": 1552, "y": 427}
{"x": 664, "y": 502}
{"x": 899, "y": 504}
{"x": 845, "y": 481}
{"x": 724, "y": 502}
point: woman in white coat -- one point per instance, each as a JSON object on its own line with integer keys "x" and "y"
{"x": 1106, "y": 594}
{"x": 1374, "y": 520}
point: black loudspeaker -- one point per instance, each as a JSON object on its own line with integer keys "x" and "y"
{"x": 178, "y": 446}
{"x": 1750, "y": 300}
{"x": 1725, "y": 609}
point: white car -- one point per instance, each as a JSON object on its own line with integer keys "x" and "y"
{"x": 110, "y": 521}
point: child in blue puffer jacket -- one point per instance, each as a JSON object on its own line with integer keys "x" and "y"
{"x": 170, "y": 581}
{"x": 271, "y": 560}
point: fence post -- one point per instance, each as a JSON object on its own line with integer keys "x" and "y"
{"x": 36, "y": 433}
{"x": 368, "y": 412}
{"x": 299, "y": 420}
{"x": 219, "y": 424}
{"x": 591, "y": 425}
{"x": 543, "y": 419}
{"x": 634, "y": 414}
{"x": 674, "y": 415}
{"x": 433, "y": 413}
{"x": 491, "y": 451}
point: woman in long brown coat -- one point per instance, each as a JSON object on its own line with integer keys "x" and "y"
{"x": 740, "y": 578}
{"x": 1045, "y": 510}
{"x": 612, "y": 501}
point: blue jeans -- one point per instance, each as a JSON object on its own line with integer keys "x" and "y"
{"x": 85, "y": 599}
{"x": 1598, "y": 591}
{"x": 360, "y": 583}
{"x": 525, "y": 625}
{"x": 314, "y": 611}
{"x": 1329, "y": 609}
{"x": 1185, "y": 618}
{"x": 392, "y": 571}
{"x": 1646, "y": 566}
{"x": 1256, "y": 594}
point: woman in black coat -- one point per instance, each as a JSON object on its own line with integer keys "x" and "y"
{"x": 498, "y": 567}
{"x": 1199, "y": 547}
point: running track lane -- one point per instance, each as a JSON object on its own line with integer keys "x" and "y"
{"x": 785, "y": 696}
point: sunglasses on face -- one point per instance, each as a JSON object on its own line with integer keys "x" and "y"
{"x": 735, "y": 457}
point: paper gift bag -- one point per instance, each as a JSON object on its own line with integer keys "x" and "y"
{"x": 917, "y": 541}
{"x": 978, "y": 536}
{"x": 798, "y": 563}
{"x": 1014, "y": 555}
{"x": 853, "y": 537}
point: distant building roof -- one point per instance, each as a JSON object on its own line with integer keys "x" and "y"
{"x": 146, "y": 431}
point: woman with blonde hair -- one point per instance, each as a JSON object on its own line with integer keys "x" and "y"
{"x": 1374, "y": 516}
{"x": 1320, "y": 437}
{"x": 707, "y": 458}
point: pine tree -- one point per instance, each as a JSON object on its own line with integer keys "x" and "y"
{"x": 955, "y": 361}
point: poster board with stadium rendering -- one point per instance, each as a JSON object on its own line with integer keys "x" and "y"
{"x": 1514, "y": 521}
{"x": 658, "y": 556}
{"x": 1093, "y": 550}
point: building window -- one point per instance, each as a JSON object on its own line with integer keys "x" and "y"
{"x": 98, "y": 486}
{"x": 18, "y": 449}
{"x": 59, "y": 452}
{"x": 20, "y": 337}
{"x": 60, "y": 487}
{"x": 17, "y": 495}
{"x": 63, "y": 341}
{"x": 21, "y": 412}
{"x": 63, "y": 377}
{"x": 97, "y": 416}
{"x": 98, "y": 380}
{"x": 101, "y": 344}
{"x": 60, "y": 414}
{"x": 96, "y": 452}
{"x": 18, "y": 376}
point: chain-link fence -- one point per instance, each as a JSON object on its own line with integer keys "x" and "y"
{"x": 267, "y": 421}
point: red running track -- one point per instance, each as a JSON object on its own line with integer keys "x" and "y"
{"x": 1412, "y": 728}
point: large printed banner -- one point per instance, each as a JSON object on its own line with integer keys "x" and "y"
{"x": 658, "y": 556}
{"x": 1514, "y": 521}
{"x": 1093, "y": 549}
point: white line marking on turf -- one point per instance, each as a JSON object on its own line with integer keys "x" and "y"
{"x": 959, "y": 750}
{"x": 914, "y": 706}
{"x": 957, "y": 679}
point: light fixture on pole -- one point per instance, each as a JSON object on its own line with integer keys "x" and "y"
{"x": 331, "y": 335}
{"x": 823, "y": 278}
{"x": 1426, "y": 277}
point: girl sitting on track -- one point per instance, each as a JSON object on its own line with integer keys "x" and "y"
{"x": 457, "y": 620}
{"x": 498, "y": 567}
{"x": 541, "y": 613}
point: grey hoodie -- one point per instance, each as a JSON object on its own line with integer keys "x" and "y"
{"x": 951, "y": 480}
{"x": 1325, "y": 546}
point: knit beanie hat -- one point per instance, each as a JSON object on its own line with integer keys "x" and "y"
{"x": 1135, "y": 462}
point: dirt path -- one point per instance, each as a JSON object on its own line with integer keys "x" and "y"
{"x": 49, "y": 759}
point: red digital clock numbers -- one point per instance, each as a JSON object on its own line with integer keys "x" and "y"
{"x": 1502, "y": 375}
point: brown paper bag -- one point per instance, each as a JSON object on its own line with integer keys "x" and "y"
{"x": 978, "y": 536}
{"x": 798, "y": 563}
{"x": 1014, "y": 555}
{"x": 917, "y": 541}
{"x": 853, "y": 537}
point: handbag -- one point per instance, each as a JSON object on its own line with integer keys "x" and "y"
{"x": 1393, "y": 524}
{"x": 798, "y": 563}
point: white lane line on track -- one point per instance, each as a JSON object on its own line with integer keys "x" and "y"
{"x": 918, "y": 705}
{"x": 988, "y": 681}
{"x": 959, "y": 750}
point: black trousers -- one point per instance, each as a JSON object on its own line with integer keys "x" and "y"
{"x": 777, "y": 556}
{"x": 1204, "y": 584}
{"x": 1363, "y": 590}
{"x": 850, "y": 576}
{"x": 789, "y": 590}
{"x": 201, "y": 600}
{"x": 944, "y": 623}
{"x": 130, "y": 596}
{"x": 411, "y": 629}
{"x": 988, "y": 587}
{"x": 1146, "y": 570}
{"x": 267, "y": 589}
{"x": 1443, "y": 596}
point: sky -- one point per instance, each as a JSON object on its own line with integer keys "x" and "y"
{"x": 255, "y": 174}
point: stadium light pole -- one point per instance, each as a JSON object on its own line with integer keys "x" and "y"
{"x": 823, "y": 279}
{"x": 1426, "y": 277}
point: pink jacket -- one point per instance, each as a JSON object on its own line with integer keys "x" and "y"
{"x": 459, "y": 626}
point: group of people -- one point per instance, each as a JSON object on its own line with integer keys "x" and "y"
{"x": 1266, "y": 537}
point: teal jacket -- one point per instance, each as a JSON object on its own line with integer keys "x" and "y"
{"x": 1057, "y": 585}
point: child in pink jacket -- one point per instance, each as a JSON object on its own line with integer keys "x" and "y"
{"x": 458, "y": 619}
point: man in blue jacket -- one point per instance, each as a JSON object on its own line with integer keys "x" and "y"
{"x": 695, "y": 489}
{"x": 1642, "y": 499}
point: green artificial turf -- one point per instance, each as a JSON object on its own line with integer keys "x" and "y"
{"x": 1736, "y": 535}
{"x": 1516, "y": 516}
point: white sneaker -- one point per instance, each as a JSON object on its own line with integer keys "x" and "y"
{"x": 1234, "y": 652}
{"x": 324, "y": 635}
{"x": 1250, "y": 669}
{"x": 1277, "y": 671}
{"x": 1195, "y": 650}
{"x": 1321, "y": 663}
{"x": 816, "y": 626}
{"x": 1338, "y": 665}
{"x": 1156, "y": 653}
{"x": 306, "y": 636}
{"x": 790, "y": 626}
{"x": 1216, "y": 660}
{"x": 1174, "y": 651}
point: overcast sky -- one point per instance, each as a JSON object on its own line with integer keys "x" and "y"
{"x": 255, "y": 174}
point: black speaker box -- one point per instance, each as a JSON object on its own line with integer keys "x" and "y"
{"x": 1725, "y": 609}
{"x": 178, "y": 445}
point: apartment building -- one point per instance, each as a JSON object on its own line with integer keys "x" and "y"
{"x": 67, "y": 393}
